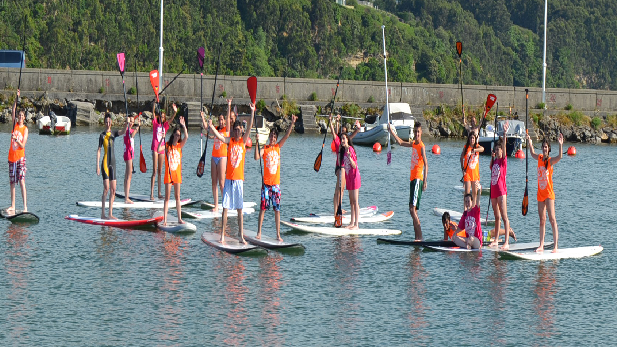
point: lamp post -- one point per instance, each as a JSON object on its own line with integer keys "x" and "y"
{"x": 161, "y": 51}
{"x": 544, "y": 60}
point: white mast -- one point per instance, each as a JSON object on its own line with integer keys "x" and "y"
{"x": 383, "y": 33}
{"x": 161, "y": 51}
{"x": 544, "y": 61}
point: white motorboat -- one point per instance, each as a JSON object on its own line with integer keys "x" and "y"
{"x": 54, "y": 125}
{"x": 44, "y": 125}
{"x": 515, "y": 136}
{"x": 400, "y": 117}
{"x": 62, "y": 126}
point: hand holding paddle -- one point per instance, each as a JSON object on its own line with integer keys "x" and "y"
{"x": 317, "y": 164}
{"x": 525, "y": 205}
{"x": 202, "y": 160}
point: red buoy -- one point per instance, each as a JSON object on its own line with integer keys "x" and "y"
{"x": 436, "y": 150}
{"x": 377, "y": 147}
{"x": 332, "y": 146}
{"x": 571, "y": 151}
{"x": 519, "y": 154}
{"x": 249, "y": 143}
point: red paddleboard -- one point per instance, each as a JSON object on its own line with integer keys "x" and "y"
{"x": 120, "y": 223}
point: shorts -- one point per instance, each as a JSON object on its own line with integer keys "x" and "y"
{"x": 216, "y": 160}
{"x": 17, "y": 170}
{"x": 112, "y": 173}
{"x": 415, "y": 192}
{"x": 233, "y": 194}
{"x": 271, "y": 195}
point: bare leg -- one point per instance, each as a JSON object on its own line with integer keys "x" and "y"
{"x": 550, "y": 209}
{"x": 12, "y": 208}
{"x": 496, "y": 212}
{"x": 160, "y": 170}
{"x": 355, "y": 209}
{"x": 261, "y": 220}
{"x": 503, "y": 209}
{"x": 542, "y": 213}
{"x": 178, "y": 205}
{"x": 214, "y": 172}
{"x": 128, "y": 175}
{"x": 103, "y": 198}
{"x": 241, "y": 225}
{"x": 166, "y": 202}
{"x": 154, "y": 167}
{"x": 277, "y": 220}
{"x": 112, "y": 197}
{"x": 416, "y": 222}
{"x": 222, "y": 169}
{"x": 222, "y": 240}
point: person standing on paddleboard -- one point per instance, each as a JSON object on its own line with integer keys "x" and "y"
{"x": 470, "y": 223}
{"x": 470, "y": 160}
{"x": 499, "y": 191}
{"x": 17, "y": 156}
{"x": 546, "y": 195}
{"x": 160, "y": 126}
{"x": 271, "y": 190}
{"x": 338, "y": 191}
{"x": 233, "y": 191}
{"x": 352, "y": 179}
{"x": 107, "y": 167}
{"x": 173, "y": 167}
{"x": 129, "y": 154}
{"x": 418, "y": 174}
{"x": 218, "y": 163}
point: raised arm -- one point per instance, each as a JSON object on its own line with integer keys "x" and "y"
{"x": 530, "y": 145}
{"x": 289, "y": 129}
{"x": 185, "y": 132}
{"x": 175, "y": 112}
{"x": 398, "y": 140}
{"x": 332, "y": 128}
{"x": 249, "y": 125}
{"x": 356, "y": 131}
{"x": 558, "y": 157}
{"x": 259, "y": 154}
{"x": 215, "y": 132}
{"x": 15, "y": 106}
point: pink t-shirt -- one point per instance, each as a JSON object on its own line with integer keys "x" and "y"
{"x": 158, "y": 131}
{"x": 471, "y": 223}
{"x": 129, "y": 145}
{"x": 498, "y": 177}
{"x": 352, "y": 176}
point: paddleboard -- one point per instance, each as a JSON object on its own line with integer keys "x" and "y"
{"x": 138, "y": 197}
{"x": 175, "y": 227}
{"x": 485, "y": 191}
{"x": 219, "y": 214}
{"x": 231, "y": 245}
{"x": 341, "y": 231}
{"x": 562, "y": 253}
{"x": 523, "y": 246}
{"x": 136, "y": 204}
{"x": 119, "y": 223}
{"x": 346, "y": 218}
{"x": 456, "y": 216}
{"x": 267, "y": 242}
{"x": 19, "y": 216}
{"x": 209, "y": 206}
{"x": 439, "y": 243}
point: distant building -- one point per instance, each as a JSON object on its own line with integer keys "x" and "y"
{"x": 340, "y": 2}
{"x": 365, "y": 3}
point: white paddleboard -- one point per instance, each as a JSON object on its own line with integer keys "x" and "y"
{"x": 174, "y": 227}
{"x": 231, "y": 245}
{"x": 485, "y": 191}
{"x": 547, "y": 254}
{"x": 207, "y": 205}
{"x": 120, "y": 223}
{"x": 219, "y": 214}
{"x": 513, "y": 247}
{"x": 136, "y": 204}
{"x": 366, "y": 218}
{"x": 341, "y": 231}
{"x": 266, "y": 241}
{"x": 138, "y": 197}
{"x": 456, "y": 216}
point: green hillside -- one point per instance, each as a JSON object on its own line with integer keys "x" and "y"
{"x": 502, "y": 40}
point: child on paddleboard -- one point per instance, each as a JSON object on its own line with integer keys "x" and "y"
{"x": 270, "y": 190}
{"x": 449, "y": 227}
{"x": 470, "y": 166}
{"x": 546, "y": 195}
{"x": 129, "y": 154}
{"x": 219, "y": 156}
{"x": 107, "y": 167}
{"x": 470, "y": 222}
{"x": 418, "y": 174}
{"x": 233, "y": 190}
{"x": 352, "y": 179}
{"x": 173, "y": 167}
{"x": 160, "y": 126}
{"x": 17, "y": 156}
{"x": 499, "y": 191}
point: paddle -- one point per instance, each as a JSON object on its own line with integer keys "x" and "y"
{"x": 172, "y": 81}
{"x": 142, "y": 159}
{"x": 201, "y": 52}
{"x": 251, "y": 85}
{"x": 385, "y": 68}
{"x": 490, "y": 186}
{"x": 459, "y": 50}
{"x": 338, "y": 216}
{"x": 490, "y": 101}
{"x": 317, "y": 164}
{"x": 154, "y": 81}
{"x": 121, "y": 61}
{"x": 525, "y": 206}
{"x": 202, "y": 160}
{"x": 23, "y": 58}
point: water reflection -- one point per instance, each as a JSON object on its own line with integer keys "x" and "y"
{"x": 270, "y": 281}
{"x": 416, "y": 292}
{"x": 230, "y": 271}
{"x": 347, "y": 264}
{"x": 544, "y": 301}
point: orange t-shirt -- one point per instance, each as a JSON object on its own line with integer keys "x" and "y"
{"x": 15, "y": 151}
{"x": 173, "y": 164}
{"x": 417, "y": 162}
{"x": 545, "y": 180}
{"x": 472, "y": 173}
{"x": 452, "y": 230}
{"x": 219, "y": 150}
{"x": 272, "y": 165}
{"x": 235, "y": 160}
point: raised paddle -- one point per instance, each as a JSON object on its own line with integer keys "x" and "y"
{"x": 142, "y": 159}
{"x": 525, "y": 206}
{"x": 490, "y": 101}
{"x": 23, "y": 62}
{"x": 385, "y": 68}
{"x": 121, "y": 61}
{"x": 202, "y": 160}
{"x": 251, "y": 85}
{"x": 154, "y": 81}
{"x": 172, "y": 81}
{"x": 459, "y": 50}
{"x": 317, "y": 164}
{"x": 201, "y": 53}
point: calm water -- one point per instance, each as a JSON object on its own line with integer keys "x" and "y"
{"x": 65, "y": 283}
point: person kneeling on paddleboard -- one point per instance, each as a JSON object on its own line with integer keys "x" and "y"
{"x": 470, "y": 222}
{"x": 449, "y": 227}
{"x": 270, "y": 189}
{"x": 233, "y": 190}
{"x": 173, "y": 168}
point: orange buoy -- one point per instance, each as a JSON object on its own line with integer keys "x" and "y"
{"x": 571, "y": 151}
{"x": 249, "y": 143}
{"x": 377, "y": 147}
{"x": 436, "y": 150}
{"x": 332, "y": 146}
{"x": 520, "y": 154}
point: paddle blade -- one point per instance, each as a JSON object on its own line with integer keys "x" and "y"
{"x": 120, "y": 57}
{"x": 201, "y": 53}
{"x": 142, "y": 161}
{"x": 251, "y": 85}
{"x": 200, "y": 168}
{"x": 389, "y": 160}
{"x": 338, "y": 218}
{"x": 490, "y": 101}
{"x": 317, "y": 164}
{"x": 525, "y": 206}
{"x": 154, "y": 81}
{"x": 459, "y": 48}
